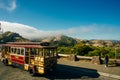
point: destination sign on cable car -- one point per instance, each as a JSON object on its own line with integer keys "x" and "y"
{"x": 44, "y": 44}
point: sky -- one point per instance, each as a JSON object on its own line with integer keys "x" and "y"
{"x": 83, "y": 19}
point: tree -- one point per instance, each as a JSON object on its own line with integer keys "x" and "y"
{"x": 64, "y": 50}
{"x": 81, "y": 49}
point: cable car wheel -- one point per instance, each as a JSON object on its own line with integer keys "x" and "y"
{"x": 32, "y": 71}
{"x": 5, "y": 62}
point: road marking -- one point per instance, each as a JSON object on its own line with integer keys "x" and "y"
{"x": 109, "y": 75}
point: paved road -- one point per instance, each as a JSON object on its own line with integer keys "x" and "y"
{"x": 63, "y": 72}
{"x": 100, "y": 68}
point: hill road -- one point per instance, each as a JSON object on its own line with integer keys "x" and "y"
{"x": 63, "y": 72}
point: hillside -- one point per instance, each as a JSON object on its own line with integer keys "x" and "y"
{"x": 60, "y": 40}
{"x": 66, "y": 41}
{"x": 11, "y": 37}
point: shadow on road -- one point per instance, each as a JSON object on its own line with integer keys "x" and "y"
{"x": 62, "y": 72}
{"x": 70, "y": 72}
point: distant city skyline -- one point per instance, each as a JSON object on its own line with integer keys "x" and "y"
{"x": 84, "y": 19}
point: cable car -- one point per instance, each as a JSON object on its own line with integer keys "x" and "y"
{"x": 35, "y": 57}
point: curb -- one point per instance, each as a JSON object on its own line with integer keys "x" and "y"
{"x": 104, "y": 74}
{"x": 109, "y": 75}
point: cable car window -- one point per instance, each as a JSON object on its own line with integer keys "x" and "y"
{"x": 47, "y": 53}
{"x": 8, "y": 49}
{"x": 12, "y": 50}
{"x": 26, "y": 51}
{"x": 15, "y": 50}
{"x": 51, "y": 53}
{"x": 40, "y": 52}
{"x": 18, "y": 51}
{"x": 32, "y": 51}
{"x": 22, "y": 51}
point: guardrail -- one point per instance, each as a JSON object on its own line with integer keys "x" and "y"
{"x": 79, "y": 57}
{"x": 84, "y": 57}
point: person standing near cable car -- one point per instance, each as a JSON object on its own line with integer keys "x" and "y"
{"x": 106, "y": 60}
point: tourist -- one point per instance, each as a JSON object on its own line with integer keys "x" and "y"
{"x": 106, "y": 61}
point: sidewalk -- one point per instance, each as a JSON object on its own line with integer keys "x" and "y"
{"x": 113, "y": 72}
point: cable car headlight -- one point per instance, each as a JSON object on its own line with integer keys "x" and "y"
{"x": 40, "y": 68}
{"x": 41, "y": 59}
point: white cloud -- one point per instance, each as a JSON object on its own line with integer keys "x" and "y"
{"x": 9, "y": 6}
{"x": 83, "y": 32}
{"x": 12, "y": 6}
{"x": 25, "y": 30}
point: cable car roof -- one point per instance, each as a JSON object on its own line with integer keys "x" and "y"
{"x": 29, "y": 44}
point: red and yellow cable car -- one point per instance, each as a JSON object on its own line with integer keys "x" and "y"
{"x": 35, "y": 57}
